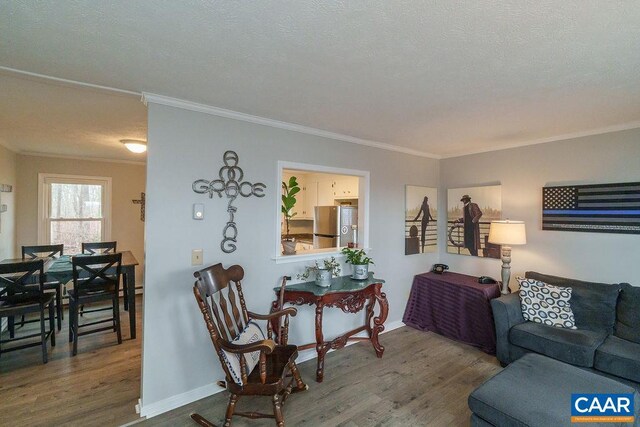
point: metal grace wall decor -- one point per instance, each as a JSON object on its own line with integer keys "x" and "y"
{"x": 230, "y": 182}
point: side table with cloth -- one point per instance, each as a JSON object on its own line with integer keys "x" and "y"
{"x": 453, "y": 305}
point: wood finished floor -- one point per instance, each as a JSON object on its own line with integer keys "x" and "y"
{"x": 422, "y": 380}
{"x": 100, "y": 386}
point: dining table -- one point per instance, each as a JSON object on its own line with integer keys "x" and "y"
{"x": 61, "y": 269}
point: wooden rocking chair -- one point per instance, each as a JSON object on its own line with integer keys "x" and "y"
{"x": 275, "y": 373}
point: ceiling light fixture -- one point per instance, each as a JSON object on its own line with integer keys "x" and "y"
{"x": 135, "y": 145}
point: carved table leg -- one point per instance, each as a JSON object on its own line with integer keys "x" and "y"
{"x": 319, "y": 343}
{"x": 370, "y": 304}
{"x": 378, "y": 322}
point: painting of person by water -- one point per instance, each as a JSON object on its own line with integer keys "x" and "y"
{"x": 420, "y": 220}
{"x": 469, "y": 213}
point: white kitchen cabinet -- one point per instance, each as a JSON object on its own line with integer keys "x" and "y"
{"x": 345, "y": 188}
{"x": 310, "y": 198}
{"x": 325, "y": 193}
{"x": 301, "y": 207}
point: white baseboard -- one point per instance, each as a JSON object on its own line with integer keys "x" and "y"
{"x": 182, "y": 399}
{"x": 178, "y": 400}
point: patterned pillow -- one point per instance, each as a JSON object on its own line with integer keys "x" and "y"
{"x": 250, "y": 334}
{"x": 546, "y": 304}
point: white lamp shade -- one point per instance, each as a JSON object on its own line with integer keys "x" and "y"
{"x": 507, "y": 233}
{"x": 134, "y": 145}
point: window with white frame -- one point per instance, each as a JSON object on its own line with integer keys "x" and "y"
{"x": 331, "y": 211}
{"x": 73, "y": 209}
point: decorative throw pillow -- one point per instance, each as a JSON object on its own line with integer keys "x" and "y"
{"x": 546, "y": 304}
{"x": 250, "y": 334}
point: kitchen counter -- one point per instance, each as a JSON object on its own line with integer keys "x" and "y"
{"x": 303, "y": 237}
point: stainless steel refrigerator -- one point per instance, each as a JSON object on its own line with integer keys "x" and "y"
{"x": 332, "y": 226}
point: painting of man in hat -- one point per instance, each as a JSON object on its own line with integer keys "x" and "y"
{"x": 471, "y": 221}
{"x": 470, "y": 212}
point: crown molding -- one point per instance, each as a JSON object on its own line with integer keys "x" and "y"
{"x": 8, "y": 147}
{"x": 563, "y": 137}
{"x": 230, "y": 114}
{"x": 221, "y": 112}
{"x": 90, "y": 159}
{"x": 44, "y": 77}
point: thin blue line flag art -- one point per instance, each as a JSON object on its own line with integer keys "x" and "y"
{"x": 601, "y": 208}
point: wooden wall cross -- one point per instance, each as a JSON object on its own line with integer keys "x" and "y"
{"x": 4, "y": 188}
{"x": 141, "y": 202}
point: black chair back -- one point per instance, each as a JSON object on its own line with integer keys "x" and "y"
{"x": 99, "y": 248}
{"x": 42, "y": 251}
{"x": 18, "y": 278}
{"x": 96, "y": 272}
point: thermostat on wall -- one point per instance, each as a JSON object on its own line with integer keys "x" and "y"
{"x": 198, "y": 211}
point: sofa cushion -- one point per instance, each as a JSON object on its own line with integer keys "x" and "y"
{"x": 546, "y": 304}
{"x": 628, "y": 321}
{"x": 593, "y": 304}
{"x": 574, "y": 346}
{"x": 536, "y": 391}
{"x": 619, "y": 357}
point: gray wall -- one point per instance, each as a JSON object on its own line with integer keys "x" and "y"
{"x": 8, "y": 219}
{"x": 185, "y": 146}
{"x": 607, "y": 158}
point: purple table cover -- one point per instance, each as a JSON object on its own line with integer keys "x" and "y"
{"x": 455, "y": 306}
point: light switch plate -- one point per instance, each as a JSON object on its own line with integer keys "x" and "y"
{"x": 196, "y": 257}
{"x": 198, "y": 211}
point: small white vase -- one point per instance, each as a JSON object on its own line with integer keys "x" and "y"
{"x": 323, "y": 278}
{"x": 360, "y": 271}
{"x": 289, "y": 247}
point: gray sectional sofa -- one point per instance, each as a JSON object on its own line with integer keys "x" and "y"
{"x": 607, "y": 340}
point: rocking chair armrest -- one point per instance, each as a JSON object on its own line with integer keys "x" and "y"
{"x": 289, "y": 310}
{"x": 264, "y": 345}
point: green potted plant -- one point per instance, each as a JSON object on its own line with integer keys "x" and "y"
{"x": 290, "y": 189}
{"x": 360, "y": 261}
{"x": 322, "y": 272}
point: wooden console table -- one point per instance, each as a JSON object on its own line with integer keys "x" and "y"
{"x": 350, "y": 296}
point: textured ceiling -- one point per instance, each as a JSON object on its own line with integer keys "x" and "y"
{"x": 45, "y": 118}
{"x": 440, "y": 77}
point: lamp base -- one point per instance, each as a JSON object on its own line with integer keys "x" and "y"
{"x": 506, "y": 269}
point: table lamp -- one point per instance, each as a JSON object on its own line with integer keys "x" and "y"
{"x": 507, "y": 233}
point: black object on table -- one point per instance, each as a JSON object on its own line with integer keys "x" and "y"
{"x": 453, "y": 305}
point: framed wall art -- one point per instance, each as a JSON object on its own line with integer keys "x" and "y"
{"x": 420, "y": 220}
{"x": 600, "y": 208}
{"x": 470, "y": 211}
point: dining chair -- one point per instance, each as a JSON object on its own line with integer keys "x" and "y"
{"x": 47, "y": 251}
{"x": 254, "y": 365}
{"x": 18, "y": 297}
{"x": 95, "y": 278}
{"x": 93, "y": 248}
